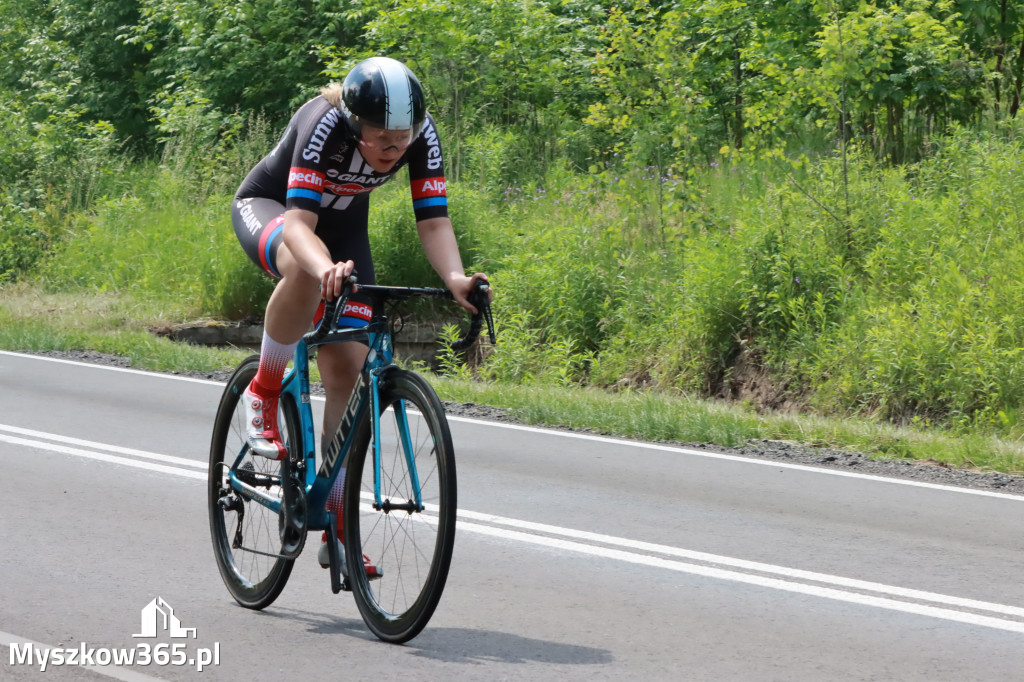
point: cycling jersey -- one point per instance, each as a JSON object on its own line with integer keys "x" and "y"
{"x": 317, "y": 166}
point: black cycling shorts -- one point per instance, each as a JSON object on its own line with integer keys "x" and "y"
{"x": 259, "y": 226}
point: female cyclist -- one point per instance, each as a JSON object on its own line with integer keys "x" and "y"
{"x": 301, "y": 214}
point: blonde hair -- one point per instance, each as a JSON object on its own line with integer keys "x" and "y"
{"x": 332, "y": 93}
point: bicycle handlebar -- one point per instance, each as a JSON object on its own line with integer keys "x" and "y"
{"x": 479, "y": 297}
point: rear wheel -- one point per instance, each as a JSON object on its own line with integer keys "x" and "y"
{"x": 412, "y": 548}
{"x": 248, "y": 537}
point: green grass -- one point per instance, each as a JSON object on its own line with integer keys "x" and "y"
{"x": 659, "y": 417}
{"x": 109, "y": 323}
{"x": 896, "y": 330}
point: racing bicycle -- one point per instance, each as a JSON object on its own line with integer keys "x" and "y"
{"x": 399, "y": 500}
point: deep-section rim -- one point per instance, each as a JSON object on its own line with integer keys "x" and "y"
{"x": 262, "y": 593}
{"x": 398, "y": 628}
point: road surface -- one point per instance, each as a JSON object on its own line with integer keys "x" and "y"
{"x": 577, "y": 558}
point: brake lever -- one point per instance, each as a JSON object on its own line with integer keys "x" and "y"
{"x": 486, "y": 310}
{"x": 333, "y": 310}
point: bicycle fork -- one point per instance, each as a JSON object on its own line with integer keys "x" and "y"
{"x": 402, "y": 421}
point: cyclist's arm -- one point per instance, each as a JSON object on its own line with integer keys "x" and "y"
{"x": 311, "y": 253}
{"x": 316, "y": 128}
{"x": 442, "y": 251}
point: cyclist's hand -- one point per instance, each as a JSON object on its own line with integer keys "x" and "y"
{"x": 461, "y": 287}
{"x": 332, "y": 280}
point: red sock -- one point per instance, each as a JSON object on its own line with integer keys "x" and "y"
{"x": 274, "y": 358}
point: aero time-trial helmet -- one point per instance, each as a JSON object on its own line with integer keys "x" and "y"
{"x": 383, "y": 93}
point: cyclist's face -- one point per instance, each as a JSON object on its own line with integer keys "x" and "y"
{"x": 382, "y": 148}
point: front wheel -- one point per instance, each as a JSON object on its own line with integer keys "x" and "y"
{"x": 249, "y": 539}
{"x": 411, "y": 546}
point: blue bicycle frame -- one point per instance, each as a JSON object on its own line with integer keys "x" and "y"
{"x": 365, "y": 395}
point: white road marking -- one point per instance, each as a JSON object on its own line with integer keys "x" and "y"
{"x": 744, "y": 460}
{"x": 825, "y": 471}
{"x": 838, "y": 588}
{"x": 753, "y": 566}
{"x": 762, "y": 581}
{"x": 175, "y": 470}
{"x": 109, "y": 368}
{"x": 170, "y": 459}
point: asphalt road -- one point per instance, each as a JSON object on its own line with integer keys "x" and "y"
{"x": 577, "y": 557}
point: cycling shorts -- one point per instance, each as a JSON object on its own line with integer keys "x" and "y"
{"x": 259, "y": 226}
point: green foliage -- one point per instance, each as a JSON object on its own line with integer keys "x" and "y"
{"x": 497, "y": 64}
{"x": 812, "y": 199}
{"x": 937, "y": 335}
{"x": 994, "y": 31}
{"x": 902, "y": 307}
{"x": 451, "y": 363}
{"x": 685, "y": 80}
{"x": 903, "y": 71}
{"x": 398, "y": 257}
{"x": 66, "y": 55}
{"x": 23, "y": 241}
{"x": 161, "y": 245}
{"x": 230, "y": 59}
{"x": 50, "y": 169}
{"x": 708, "y": 78}
{"x": 667, "y": 82}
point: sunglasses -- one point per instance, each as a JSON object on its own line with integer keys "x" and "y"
{"x": 379, "y": 140}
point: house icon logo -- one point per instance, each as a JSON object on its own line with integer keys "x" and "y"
{"x": 158, "y": 615}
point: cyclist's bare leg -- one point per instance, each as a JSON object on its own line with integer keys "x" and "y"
{"x": 339, "y": 365}
{"x": 294, "y": 301}
{"x": 289, "y": 311}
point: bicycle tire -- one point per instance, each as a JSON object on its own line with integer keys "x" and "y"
{"x": 254, "y": 580}
{"x": 412, "y": 550}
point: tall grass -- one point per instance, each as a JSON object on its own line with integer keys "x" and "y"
{"x": 162, "y": 244}
{"x": 902, "y": 304}
{"x": 49, "y": 172}
{"x": 168, "y": 237}
{"x": 747, "y": 279}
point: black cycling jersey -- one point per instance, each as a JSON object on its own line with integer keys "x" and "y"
{"x": 317, "y": 166}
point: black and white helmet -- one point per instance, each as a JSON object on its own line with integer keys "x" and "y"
{"x": 383, "y": 93}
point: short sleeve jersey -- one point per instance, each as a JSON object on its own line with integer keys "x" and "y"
{"x": 317, "y": 166}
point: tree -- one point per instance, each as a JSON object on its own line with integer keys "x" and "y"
{"x": 905, "y": 70}
{"x": 504, "y": 64}
{"x": 225, "y": 59}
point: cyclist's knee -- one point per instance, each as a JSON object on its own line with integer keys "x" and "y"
{"x": 293, "y": 272}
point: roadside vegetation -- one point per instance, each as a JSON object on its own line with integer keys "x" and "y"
{"x": 759, "y": 240}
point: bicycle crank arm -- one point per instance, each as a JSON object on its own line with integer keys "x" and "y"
{"x": 293, "y": 510}
{"x": 338, "y": 581}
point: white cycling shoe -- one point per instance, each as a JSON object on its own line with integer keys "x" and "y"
{"x": 261, "y": 431}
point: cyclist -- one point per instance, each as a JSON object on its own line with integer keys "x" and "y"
{"x": 301, "y": 214}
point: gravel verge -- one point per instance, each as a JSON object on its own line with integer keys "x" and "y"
{"x": 780, "y": 451}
